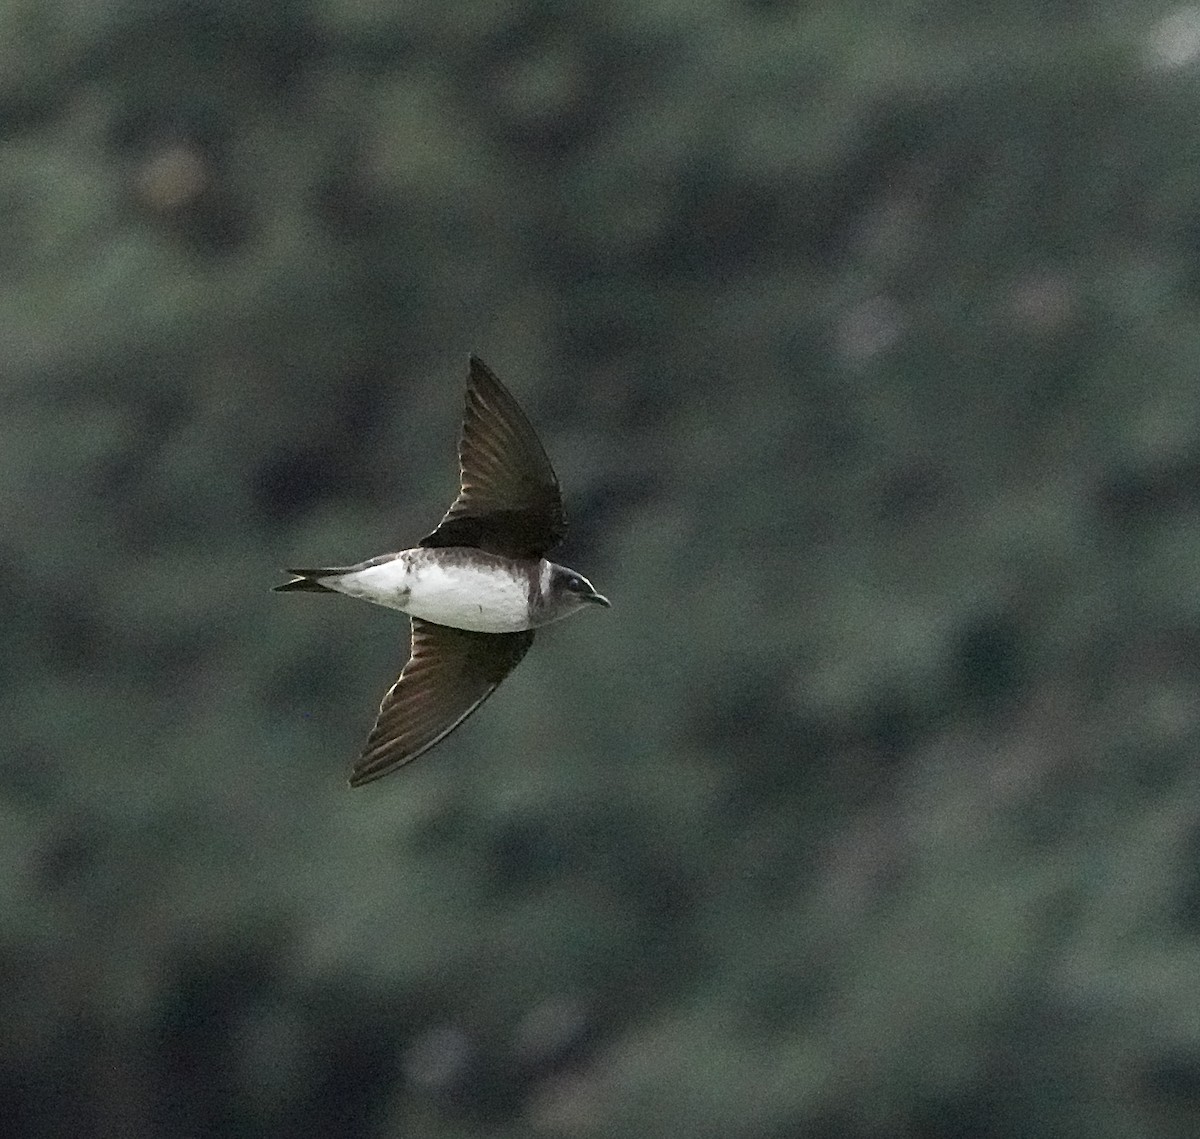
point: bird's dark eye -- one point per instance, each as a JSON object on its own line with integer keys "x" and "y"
{"x": 575, "y": 585}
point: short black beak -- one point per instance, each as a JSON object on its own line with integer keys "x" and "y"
{"x": 599, "y": 600}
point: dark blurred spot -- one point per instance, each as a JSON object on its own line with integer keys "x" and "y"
{"x": 1175, "y": 1077}
{"x": 202, "y": 125}
{"x": 1131, "y": 497}
{"x": 289, "y": 483}
{"x": 200, "y": 47}
{"x": 791, "y": 994}
{"x": 302, "y": 680}
{"x": 988, "y": 661}
{"x": 215, "y": 222}
{"x": 826, "y": 435}
{"x": 353, "y": 1040}
{"x": 593, "y": 516}
{"x": 50, "y": 1074}
{"x": 892, "y": 726}
{"x": 31, "y": 775}
{"x": 525, "y": 851}
{"x": 910, "y": 492}
{"x": 347, "y": 207}
{"x": 829, "y": 1124}
{"x": 541, "y": 848}
{"x": 748, "y": 718}
{"x": 346, "y": 1051}
{"x": 75, "y": 639}
{"x": 657, "y": 886}
{"x": 66, "y": 858}
{"x": 822, "y": 216}
{"x": 445, "y": 829}
{"x": 1188, "y": 245}
{"x": 1186, "y": 915}
{"x": 721, "y": 227}
{"x": 194, "y": 1058}
{"x": 971, "y": 1114}
{"x": 602, "y": 326}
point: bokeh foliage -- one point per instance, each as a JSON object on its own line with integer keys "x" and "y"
{"x": 864, "y": 338}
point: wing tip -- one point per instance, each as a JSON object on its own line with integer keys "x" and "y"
{"x": 374, "y": 763}
{"x": 367, "y": 771}
{"x": 478, "y": 371}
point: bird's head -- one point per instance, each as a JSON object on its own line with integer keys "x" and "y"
{"x": 569, "y": 591}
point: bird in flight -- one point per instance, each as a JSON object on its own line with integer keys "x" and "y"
{"x": 475, "y": 589}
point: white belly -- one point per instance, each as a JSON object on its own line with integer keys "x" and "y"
{"x": 468, "y": 598}
{"x": 484, "y": 598}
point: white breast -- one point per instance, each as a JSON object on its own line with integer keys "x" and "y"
{"x": 482, "y": 598}
{"x": 481, "y": 595}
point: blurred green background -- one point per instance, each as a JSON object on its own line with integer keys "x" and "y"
{"x": 865, "y": 340}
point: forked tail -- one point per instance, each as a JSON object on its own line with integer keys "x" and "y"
{"x": 305, "y": 581}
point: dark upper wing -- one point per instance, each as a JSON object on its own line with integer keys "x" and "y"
{"x": 449, "y": 673}
{"x": 509, "y": 502}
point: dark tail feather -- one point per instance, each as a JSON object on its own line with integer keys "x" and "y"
{"x": 305, "y": 582}
{"x": 302, "y": 585}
